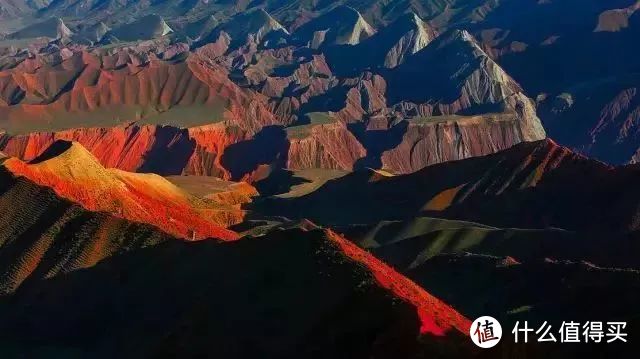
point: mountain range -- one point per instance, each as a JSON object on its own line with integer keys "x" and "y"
{"x": 280, "y": 178}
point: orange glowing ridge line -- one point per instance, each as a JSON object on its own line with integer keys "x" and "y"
{"x": 436, "y": 317}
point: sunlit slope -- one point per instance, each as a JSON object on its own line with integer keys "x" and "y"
{"x": 74, "y": 173}
{"x": 42, "y": 235}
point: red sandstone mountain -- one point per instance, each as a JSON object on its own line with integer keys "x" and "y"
{"x": 426, "y": 102}
{"x": 43, "y": 235}
{"x": 234, "y": 93}
{"x": 125, "y": 87}
{"x": 73, "y": 173}
{"x": 253, "y": 26}
{"x": 394, "y": 44}
{"x": 101, "y": 90}
{"x": 531, "y": 185}
{"x": 45, "y": 241}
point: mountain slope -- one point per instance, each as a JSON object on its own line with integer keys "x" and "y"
{"x": 399, "y": 119}
{"x": 148, "y": 291}
{"x": 531, "y": 185}
{"x": 145, "y": 28}
{"x": 342, "y": 25}
{"x": 459, "y": 76}
{"x": 74, "y": 173}
{"x": 108, "y": 89}
{"x": 43, "y": 235}
{"x": 395, "y": 43}
{"x": 176, "y": 299}
{"x": 416, "y": 34}
{"x": 254, "y": 25}
{"x": 495, "y": 261}
{"x": 53, "y": 28}
{"x": 389, "y": 47}
{"x": 598, "y": 119}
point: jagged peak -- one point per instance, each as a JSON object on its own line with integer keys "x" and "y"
{"x": 166, "y": 29}
{"x": 410, "y": 17}
{"x": 459, "y": 36}
{"x": 408, "y": 22}
{"x": 256, "y": 23}
{"x": 63, "y": 30}
{"x": 260, "y": 19}
{"x": 94, "y": 32}
{"x": 462, "y": 42}
{"x": 347, "y": 10}
{"x": 346, "y": 25}
{"x": 144, "y": 28}
{"x": 404, "y": 37}
{"x": 456, "y": 59}
{"x": 53, "y": 27}
{"x": 263, "y": 15}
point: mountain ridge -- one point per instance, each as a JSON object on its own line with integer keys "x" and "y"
{"x": 74, "y": 173}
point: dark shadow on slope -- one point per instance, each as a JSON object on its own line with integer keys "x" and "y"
{"x": 333, "y": 100}
{"x": 574, "y": 59}
{"x": 376, "y": 142}
{"x": 289, "y": 296}
{"x": 348, "y": 60}
{"x": 56, "y": 149}
{"x": 578, "y": 194}
{"x": 536, "y": 292}
{"x": 267, "y": 147}
{"x": 278, "y": 181}
{"x": 170, "y": 153}
{"x": 414, "y": 81}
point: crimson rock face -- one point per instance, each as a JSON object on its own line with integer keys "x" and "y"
{"x": 240, "y": 129}
{"x": 330, "y": 120}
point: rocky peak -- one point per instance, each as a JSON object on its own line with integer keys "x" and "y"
{"x": 408, "y": 35}
{"x": 53, "y": 28}
{"x": 253, "y": 26}
{"x": 145, "y": 28}
{"x": 93, "y": 33}
{"x": 453, "y": 68}
{"x": 341, "y": 26}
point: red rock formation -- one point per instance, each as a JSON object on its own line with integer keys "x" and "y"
{"x": 436, "y": 316}
{"x": 365, "y": 96}
{"x": 101, "y": 93}
{"x": 198, "y": 151}
{"x": 73, "y": 173}
{"x": 425, "y": 143}
{"x": 128, "y": 86}
{"x": 323, "y": 146}
{"x": 211, "y": 141}
{"x": 128, "y": 148}
{"x": 530, "y": 185}
{"x": 160, "y": 149}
